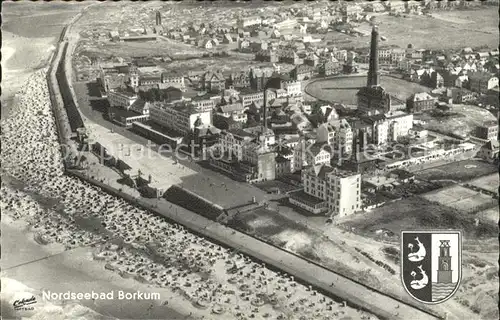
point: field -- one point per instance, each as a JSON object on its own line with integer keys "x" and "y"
{"x": 344, "y": 89}
{"x": 308, "y": 242}
{"x": 49, "y": 18}
{"x": 445, "y": 30}
{"x": 489, "y": 215}
{"x": 458, "y": 171}
{"x": 462, "y": 119}
{"x": 417, "y": 212}
{"x": 489, "y": 183}
{"x": 460, "y": 198}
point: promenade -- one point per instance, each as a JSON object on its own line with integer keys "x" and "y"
{"x": 322, "y": 279}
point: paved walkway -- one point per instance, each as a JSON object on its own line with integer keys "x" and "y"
{"x": 357, "y": 295}
{"x": 325, "y": 280}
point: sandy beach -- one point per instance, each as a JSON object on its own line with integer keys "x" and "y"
{"x": 52, "y": 268}
{"x": 88, "y": 240}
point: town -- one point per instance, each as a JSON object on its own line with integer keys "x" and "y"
{"x": 258, "y": 123}
{"x": 253, "y": 160}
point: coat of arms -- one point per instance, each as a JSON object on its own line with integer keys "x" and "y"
{"x": 431, "y": 264}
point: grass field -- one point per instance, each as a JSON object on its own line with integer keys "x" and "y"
{"x": 462, "y": 121}
{"x": 344, "y": 89}
{"x": 459, "y": 198}
{"x": 445, "y": 30}
{"x": 307, "y": 242}
{"x": 489, "y": 182}
{"x": 459, "y": 171}
{"x": 418, "y": 213}
{"x": 490, "y": 215}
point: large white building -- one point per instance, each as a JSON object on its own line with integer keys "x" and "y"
{"x": 338, "y": 192}
{"x": 121, "y": 98}
{"x": 249, "y": 96}
{"x": 231, "y": 142}
{"x": 317, "y": 154}
{"x": 182, "y": 118}
{"x": 173, "y": 80}
{"x": 400, "y": 124}
{"x": 236, "y": 111}
{"x": 293, "y": 88}
{"x": 338, "y": 134}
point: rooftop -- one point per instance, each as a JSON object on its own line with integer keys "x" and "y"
{"x": 307, "y": 198}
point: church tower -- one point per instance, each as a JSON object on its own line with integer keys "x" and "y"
{"x": 444, "y": 261}
{"x": 373, "y": 72}
{"x": 158, "y": 18}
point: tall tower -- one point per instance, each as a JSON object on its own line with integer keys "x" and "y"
{"x": 264, "y": 106}
{"x": 373, "y": 73}
{"x": 133, "y": 76}
{"x": 158, "y": 18}
{"x": 444, "y": 261}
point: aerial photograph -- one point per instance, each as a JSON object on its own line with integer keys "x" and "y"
{"x": 250, "y": 160}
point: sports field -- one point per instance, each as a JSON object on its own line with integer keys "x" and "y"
{"x": 460, "y": 171}
{"x": 344, "y": 89}
{"x": 489, "y": 182}
{"x": 459, "y": 198}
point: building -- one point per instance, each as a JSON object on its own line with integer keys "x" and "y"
{"x": 286, "y": 24}
{"x": 487, "y": 131}
{"x": 182, "y": 117}
{"x": 329, "y": 190}
{"x": 205, "y": 103}
{"x": 121, "y": 98}
{"x": 259, "y": 77}
{"x": 329, "y": 68}
{"x": 372, "y": 99}
{"x": 377, "y": 129}
{"x": 249, "y": 21}
{"x": 149, "y": 80}
{"x": 489, "y": 151}
{"x": 283, "y": 165}
{"x": 302, "y": 72}
{"x": 236, "y": 111}
{"x": 338, "y": 135}
{"x": 481, "y": 82}
{"x": 126, "y": 117}
{"x": 231, "y": 142}
{"x": 240, "y": 80}
{"x": 318, "y": 153}
{"x": 399, "y": 124}
{"x": 245, "y": 155}
{"x": 248, "y": 97}
{"x": 420, "y": 102}
{"x": 293, "y": 88}
{"x": 173, "y": 80}
{"x": 460, "y": 95}
{"x": 213, "y": 81}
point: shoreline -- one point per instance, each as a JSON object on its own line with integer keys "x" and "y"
{"x": 60, "y": 271}
{"x": 7, "y": 53}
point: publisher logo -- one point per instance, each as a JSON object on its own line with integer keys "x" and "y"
{"x": 25, "y": 304}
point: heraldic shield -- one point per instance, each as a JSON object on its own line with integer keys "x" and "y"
{"x": 431, "y": 264}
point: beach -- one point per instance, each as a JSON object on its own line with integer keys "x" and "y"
{"x": 52, "y": 268}
{"x": 110, "y": 245}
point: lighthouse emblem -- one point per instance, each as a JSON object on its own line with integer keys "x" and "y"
{"x": 431, "y": 264}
